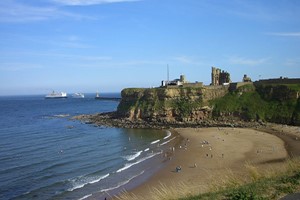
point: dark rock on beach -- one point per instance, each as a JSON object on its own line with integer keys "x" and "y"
{"x": 112, "y": 119}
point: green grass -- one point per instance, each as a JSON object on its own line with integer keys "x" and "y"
{"x": 249, "y": 105}
{"x": 295, "y": 86}
{"x": 264, "y": 188}
{"x": 266, "y": 103}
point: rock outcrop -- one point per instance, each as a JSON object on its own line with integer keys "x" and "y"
{"x": 246, "y": 105}
{"x": 169, "y": 104}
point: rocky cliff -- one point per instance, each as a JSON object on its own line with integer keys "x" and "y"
{"x": 259, "y": 102}
{"x": 277, "y": 103}
{"x": 244, "y": 105}
{"x": 169, "y": 104}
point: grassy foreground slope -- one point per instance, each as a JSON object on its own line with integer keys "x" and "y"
{"x": 255, "y": 185}
{"x": 262, "y": 187}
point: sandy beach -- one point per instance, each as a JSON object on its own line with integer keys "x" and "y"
{"x": 208, "y": 155}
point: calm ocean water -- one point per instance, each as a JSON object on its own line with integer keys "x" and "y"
{"x": 45, "y": 155}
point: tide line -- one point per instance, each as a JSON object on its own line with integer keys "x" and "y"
{"x": 85, "y": 197}
{"x": 154, "y": 142}
{"x": 83, "y": 181}
{"x": 169, "y": 135}
{"x": 122, "y": 183}
{"x": 128, "y": 165}
{"x": 166, "y": 142}
{"x": 134, "y": 156}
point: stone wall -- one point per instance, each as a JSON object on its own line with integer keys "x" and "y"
{"x": 235, "y": 86}
{"x": 213, "y": 92}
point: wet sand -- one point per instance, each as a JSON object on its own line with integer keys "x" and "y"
{"x": 207, "y": 155}
{"x": 289, "y": 134}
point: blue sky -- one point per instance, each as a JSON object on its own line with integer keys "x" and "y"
{"x": 108, "y": 45}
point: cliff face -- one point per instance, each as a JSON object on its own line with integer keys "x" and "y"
{"x": 277, "y": 103}
{"x": 272, "y": 103}
{"x": 168, "y": 104}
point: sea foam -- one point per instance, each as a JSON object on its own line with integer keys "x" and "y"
{"x": 154, "y": 142}
{"x": 83, "y": 181}
{"x": 169, "y": 135}
{"x": 128, "y": 165}
{"x": 121, "y": 183}
{"x": 166, "y": 142}
{"x": 85, "y": 197}
{"x": 134, "y": 156}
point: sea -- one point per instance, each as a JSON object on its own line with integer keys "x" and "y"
{"x": 45, "y": 154}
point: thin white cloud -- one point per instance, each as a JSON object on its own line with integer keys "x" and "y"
{"x": 89, "y": 2}
{"x": 187, "y": 60}
{"x": 119, "y": 64}
{"x": 12, "y": 11}
{"x": 184, "y": 59}
{"x": 250, "y": 10}
{"x": 52, "y": 55}
{"x": 285, "y": 34}
{"x": 246, "y": 61}
{"x": 292, "y": 62}
{"x": 16, "y": 66}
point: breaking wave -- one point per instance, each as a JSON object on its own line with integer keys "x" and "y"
{"x": 154, "y": 142}
{"x": 80, "y": 182}
{"x": 166, "y": 142}
{"x": 85, "y": 197}
{"x": 121, "y": 183}
{"x": 134, "y": 156}
{"x": 169, "y": 135}
{"x": 128, "y": 165}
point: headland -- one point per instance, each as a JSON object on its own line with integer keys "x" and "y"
{"x": 183, "y": 104}
{"x": 226, "y": 126}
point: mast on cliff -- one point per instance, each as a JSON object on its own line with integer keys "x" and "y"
{"x": 168, "y": 74}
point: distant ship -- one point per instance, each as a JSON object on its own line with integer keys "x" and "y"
{"x": 56, "y": 95}
{"x": 78, "y": 95}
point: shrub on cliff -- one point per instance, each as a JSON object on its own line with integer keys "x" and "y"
{"x": 296, "y": 114}
{"x": 268, "y": 103}
{"x": 247, "y": 106}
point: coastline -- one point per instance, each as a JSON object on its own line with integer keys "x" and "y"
{"x": 234, "y": 152}
{"x": 112, "y": 119}
{"x": 234, "y": 148}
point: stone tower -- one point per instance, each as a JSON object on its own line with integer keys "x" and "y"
{"x": 215, "y": 76}
{"x": 219, "y": 77}
{"x": 246, "y": 78}
{"x": 182, "y": 79}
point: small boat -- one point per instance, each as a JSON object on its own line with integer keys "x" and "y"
{"x": 107, "y": 98}
{"x": 56, "y": 95}
{"x": 97, "y": 96}
{"x": 78, "y": 95}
